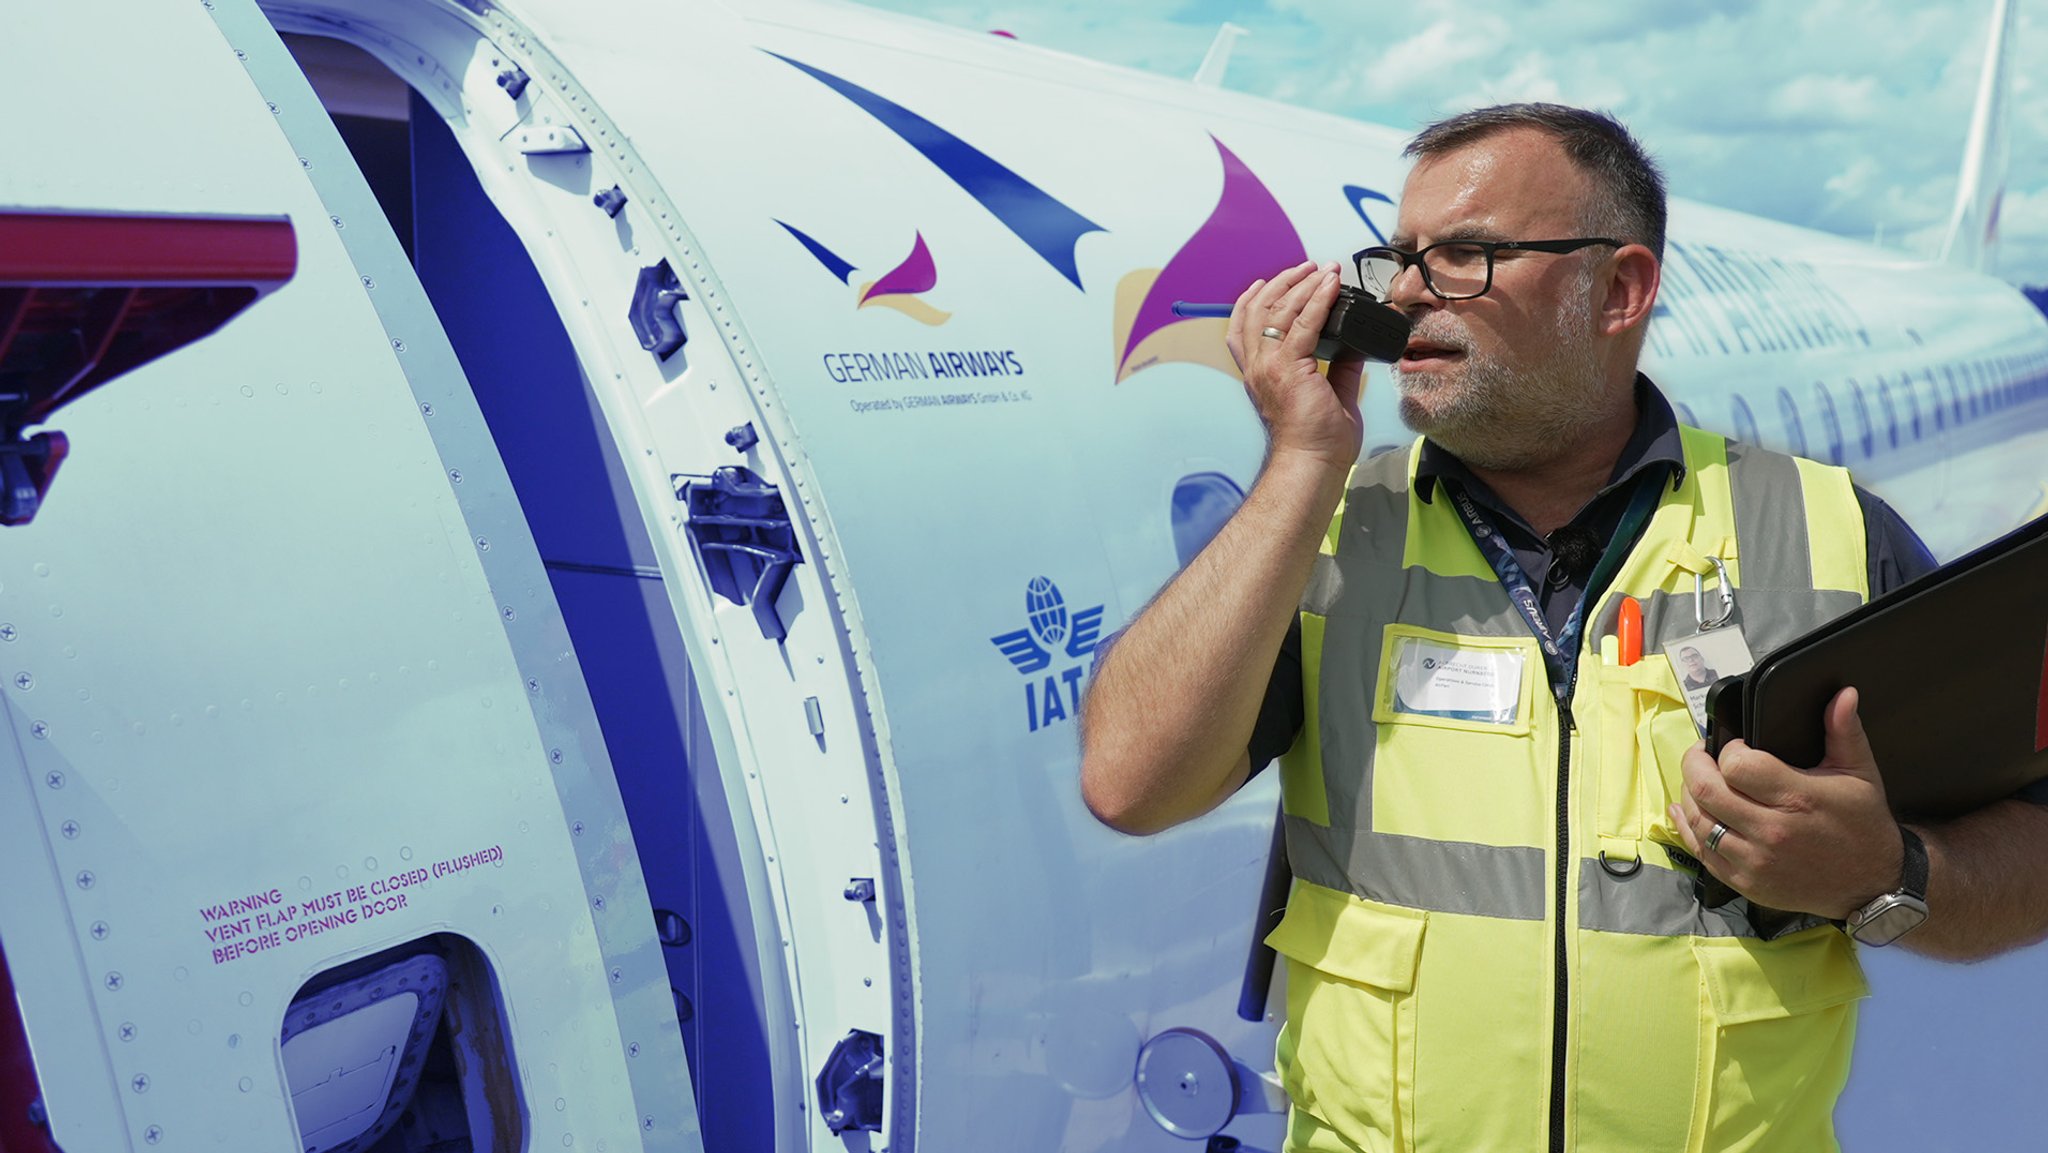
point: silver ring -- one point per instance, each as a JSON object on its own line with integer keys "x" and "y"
{"x": 1714, "y": 837}
{"x": 1271, "y": 333}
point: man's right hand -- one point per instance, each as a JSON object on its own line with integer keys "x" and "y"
{"x": 1305, "y": 412}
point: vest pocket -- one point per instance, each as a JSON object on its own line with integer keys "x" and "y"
{"x": 1777, "y": 1023}
{"x": 1347, "y": 1052}
{"x": 1645, "y": 730}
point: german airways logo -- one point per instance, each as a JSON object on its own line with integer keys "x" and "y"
{"x": 1051, "y": 632}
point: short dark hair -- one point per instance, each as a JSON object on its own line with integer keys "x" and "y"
{"x": 1596, "y": 142}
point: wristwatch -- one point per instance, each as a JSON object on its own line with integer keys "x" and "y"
{"x": 1892, "y": 915}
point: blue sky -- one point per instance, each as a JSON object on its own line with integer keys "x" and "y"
{"x": 1843, "y": 115}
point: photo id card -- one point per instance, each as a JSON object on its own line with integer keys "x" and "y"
{"x": 1703, "y": 658}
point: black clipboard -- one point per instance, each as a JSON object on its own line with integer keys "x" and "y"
{"x": 1952, "y": 670}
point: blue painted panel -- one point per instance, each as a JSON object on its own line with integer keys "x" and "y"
{"x": 561, "y": 461}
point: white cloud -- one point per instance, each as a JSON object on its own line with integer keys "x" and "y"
{"x": 1825, "y": 101}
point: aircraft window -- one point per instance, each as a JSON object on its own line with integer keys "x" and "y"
{"x": 1745, "y": 422}
{"x": 1934, "y": 405}
{"x": 413, "y": 1038}
{"x": 1684, "y": 411}
{"x": 1891, "y": 413}
{"x": 1864, "y": 432}
{"x": 1830, "y": 424}
{"x": 1795, "y": 433}
{"x": 1955, "y": 393}
{"x": 1201, "y": 503}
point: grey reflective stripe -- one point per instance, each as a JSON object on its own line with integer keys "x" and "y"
{"x": 1369, "y": 578}
{"x": 1769, "y": 616}
{"x": 1652, "y": 901}
{"x": 1419, "y": 873}
{"x": 1657, "y": 902}
{"x": 1325, "y": 586}
{"x": 1770, "y": 519}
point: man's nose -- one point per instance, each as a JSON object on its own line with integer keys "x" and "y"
{"x": 1409, "y": 291}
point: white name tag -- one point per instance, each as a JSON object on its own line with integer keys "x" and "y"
{"x": 1439, "y": 680}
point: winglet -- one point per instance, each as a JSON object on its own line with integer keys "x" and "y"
{"x": 1972, "y": 240}
{"x": 1210, "y": 74}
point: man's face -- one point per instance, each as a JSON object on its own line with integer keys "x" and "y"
{"x": 1695, "y": 664}
{"x": 1514, "y": 377}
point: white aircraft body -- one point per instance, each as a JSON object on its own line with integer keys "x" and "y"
{"x": 614, "y": 688}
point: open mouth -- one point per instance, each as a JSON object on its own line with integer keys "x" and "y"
{"x": 1423, "y": 354}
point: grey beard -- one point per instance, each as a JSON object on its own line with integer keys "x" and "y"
{"x": 1504, "y": 419}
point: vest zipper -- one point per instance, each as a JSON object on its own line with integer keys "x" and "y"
{"x": 1561, "y": 998}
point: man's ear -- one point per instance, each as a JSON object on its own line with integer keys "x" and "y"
{"x": 1632, "y": 278}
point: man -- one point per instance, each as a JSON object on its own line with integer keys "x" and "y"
{"x": 1693, "y": 666}
{"x": 1500, "y": 936}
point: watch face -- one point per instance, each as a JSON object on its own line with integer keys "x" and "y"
{"x": 1888, "y": 918}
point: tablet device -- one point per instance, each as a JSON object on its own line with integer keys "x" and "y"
{"x": 1953, "y": 674}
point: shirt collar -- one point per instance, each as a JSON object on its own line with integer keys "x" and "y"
{"x": 1654, "y": 442}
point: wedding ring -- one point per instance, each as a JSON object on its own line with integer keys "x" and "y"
{"x": 1714, "y": 838}
{"x": 1271, "y": 333}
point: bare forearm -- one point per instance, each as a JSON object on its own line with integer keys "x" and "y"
{"x": 1169, "y": 714}
{"x": 1987, "y": 883}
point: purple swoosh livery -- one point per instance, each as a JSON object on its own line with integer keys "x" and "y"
{"x": 1246, "y": 237}
{"x": 917, "y": 273}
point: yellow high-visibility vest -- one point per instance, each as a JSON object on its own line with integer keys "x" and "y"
{"x": 1489, "y": 945}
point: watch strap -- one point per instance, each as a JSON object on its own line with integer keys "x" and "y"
{"x": 1913, "y": 881}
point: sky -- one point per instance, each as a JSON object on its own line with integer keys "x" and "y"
{"x": 1848, "y": 116}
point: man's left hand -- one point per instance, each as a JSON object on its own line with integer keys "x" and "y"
{"x": 1819, "y": 840}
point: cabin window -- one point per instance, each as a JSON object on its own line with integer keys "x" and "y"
{"x": 1684, "y": 412}
{"x": 1891, "y": 412}
{"x": 1795, "y": 433}
{"x": 1831, "y": 425}
{"x": 1745, "y": 422}
{"x": 1864, "y": 432}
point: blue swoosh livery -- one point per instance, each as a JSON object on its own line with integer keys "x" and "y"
{"x": 1048, "y": 226}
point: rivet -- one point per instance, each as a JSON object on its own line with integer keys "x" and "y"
{"x": 399, "y": 346}
{"x": 597, "y": 903}
{"x": 555, "y": 755}
{"x": 8, "y": 633}
{"x": 141, "y": 1083}
{"x": 113, "y": 981}
{"x": 127, "y": 1031}
{"x": 483, "y": 544}
{"x": 647, "y": 1124}
{"x": 69, "y": 829}
{"x": 55, "y": 780}
{"x": 24, "y": 681}
{"x": 455, "y": 475}
{"x": 85, "y": 878}
{"x": 154, "y": 1133}
{"x": 576, "y": 829}
{"x": 618, "y": 975}
{"x": 100, "y": 930}
{"x": 533, "y": 684}
{"x": 39, "y": 730}
{"x": 633, "y": 1049}
{"x": 507, "y": 612}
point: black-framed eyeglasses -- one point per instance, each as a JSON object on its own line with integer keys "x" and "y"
{"x": 1454, "y": 269}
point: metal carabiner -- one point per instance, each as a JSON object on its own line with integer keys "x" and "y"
{"x": 1699, "y": 596}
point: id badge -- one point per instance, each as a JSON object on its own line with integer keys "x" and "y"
{"x": 1703, "y": 658}
{"x": 1449, "y": 682}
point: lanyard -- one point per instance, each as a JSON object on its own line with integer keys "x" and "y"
{"x": 1561, "y": 650}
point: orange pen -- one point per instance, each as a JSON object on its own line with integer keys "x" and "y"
{"x": 1628, "y": 630}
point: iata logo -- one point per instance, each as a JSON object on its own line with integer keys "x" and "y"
{"x": 1051, "y": 630}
